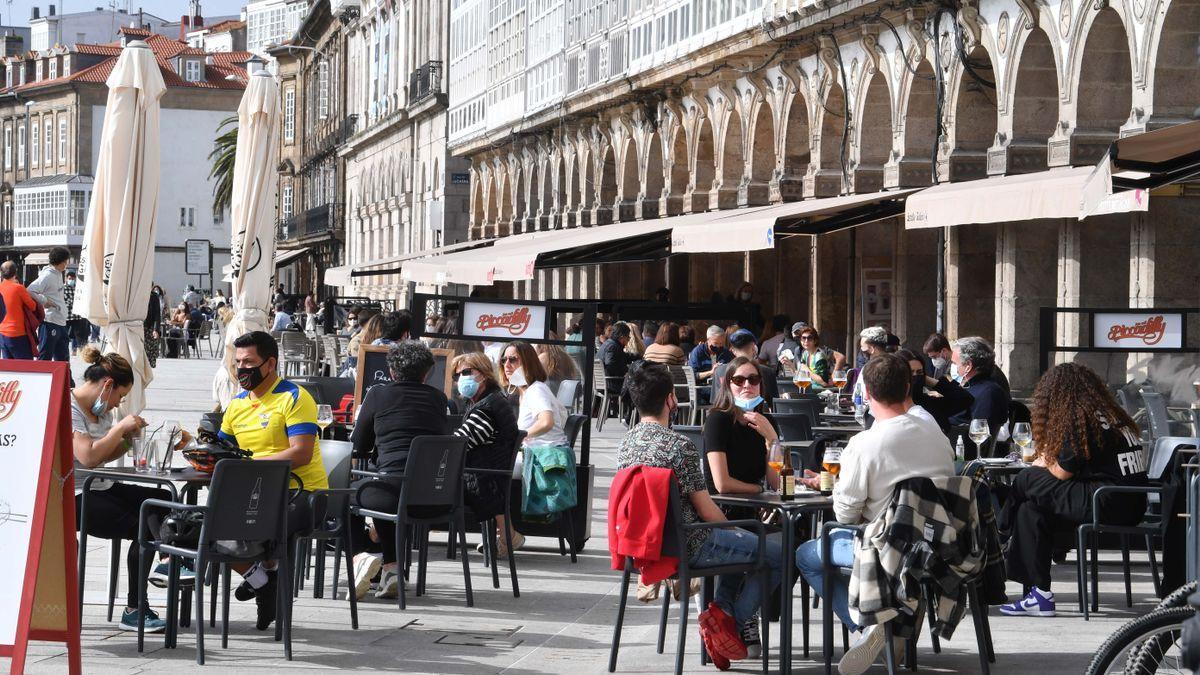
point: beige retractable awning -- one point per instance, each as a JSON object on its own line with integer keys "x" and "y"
{"x": 341, "y": 275}
{"x": 286, "y": 257}
{"x": 39, "y": 258}
{"x": 1057, "y": 193}
{"x": 758, "y": 228}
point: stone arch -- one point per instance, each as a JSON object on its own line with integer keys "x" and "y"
{"x": 629, "y": 185}
{"x": 491, "y": 198}
{"x": 973, "y": 122}
{"x": 1034, "y": 107}
{"x": 505, "y": 213}
{"x": 874, "y": 129}
{"x": 655, "y": 177}
{"x": 1103, "y": 87}
{"x": 704, "y": 173}
{"x": 834, "y": 155}
{"x": 762, "y": 147}
{"x": 1174, "y": 82}
{"x": 679, "y": 164}
{"x": 607, "y": 193}
{"x": 920, "y": 128}
{"x": 532, "y": 201}
{"x": 586, "y": 181}
{"x": 797, "y": 153}
{"x": 477, "y": 214}
{"x": 733, "y": 158}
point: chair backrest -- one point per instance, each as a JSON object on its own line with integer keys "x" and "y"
{"x": 206, "y": 330}
{"x": 433, "y": 472}
{"x": 679, "y": 378}
{"x": 793, "y": 426}
{"x": 567, "y": 391}
{"x": 1156, "y": 412}
{"x": 1018, "y": 412}
{"x": 336, "y": 456}
{"x": 599, "y": 379}
{"x": 572, "y": 426}
{"x": 327, "y": 390}
{"x": 1164, "y": 451}
{"x": 788, "y": 387}
{"x": 453, "y": 422}
{"x": 806, "y": 406}
{"x": 249, "y": 501}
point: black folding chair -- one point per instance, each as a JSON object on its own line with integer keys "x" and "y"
{"x": 247, "y": 502}
{"x": 674, "y": 538}
{"x": 1153, "y": 525}
{"x": 572, "y": 427}
{"x": 793, "y": 426}
{"x": 488, "y": 527}
{"x": 430, "y": 493}
{"x": 811, "y": 407}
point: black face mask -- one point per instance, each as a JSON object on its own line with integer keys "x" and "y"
{"x": 250, "y": 377}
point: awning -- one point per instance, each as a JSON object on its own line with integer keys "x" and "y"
{"x": 758, "y": 228}
{"x": 342, "y": 275}
{"x": 286, "y": 257}
{"x": 1145, "y": 162}
{"x": 39, "y": 258}
{"x": 1057, "y": 193}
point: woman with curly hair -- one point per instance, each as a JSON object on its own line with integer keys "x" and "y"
{"x": 1084, "y": 441}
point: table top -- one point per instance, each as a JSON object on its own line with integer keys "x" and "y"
{"x": 1013, "y": 466}
{"x": 807, "y": 500}
{"x": 848, "y": 430}
{"x": 795, "y": 444}
{"x": 184, "y": 475}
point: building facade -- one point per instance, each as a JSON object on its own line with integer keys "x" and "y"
{"x": 653, "y": 108}
{"x": 51, "y": 115}
{"x": 94, "y": 26}
{"x": 404, "y": 193}
{"x": 272, "y": 22}
{"x": 315, "y": 125}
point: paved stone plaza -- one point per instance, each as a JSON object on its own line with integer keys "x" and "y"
{"x": 561, "y": 623}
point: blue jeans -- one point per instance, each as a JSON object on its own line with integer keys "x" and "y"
{"x": 53, "y": 343}
{"x": 732, "y": 547}
{"x": 15, "y": 347}
{"x": 808, "y": 559}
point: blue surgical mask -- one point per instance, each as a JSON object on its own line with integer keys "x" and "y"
{"x": 747, "y": 404}
{"x": 468, "y": 386}
{"x": 100, "y": 405}
{"x": 954, "y": 374}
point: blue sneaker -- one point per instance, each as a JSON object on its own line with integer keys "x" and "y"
{"x": 1037, "y": 603}
{"x": 153, "y": 624}
{"x": 159, "y": 576}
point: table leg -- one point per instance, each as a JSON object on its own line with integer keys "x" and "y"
{"x": 785, "y": 612}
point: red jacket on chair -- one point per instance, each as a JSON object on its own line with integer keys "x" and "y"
{"x": 637, "y": 514}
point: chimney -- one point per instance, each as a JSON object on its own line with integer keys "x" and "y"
{"x": 35, "y": 14}
{"x": 197, "y": 18}
{"x": 183, "y": 28}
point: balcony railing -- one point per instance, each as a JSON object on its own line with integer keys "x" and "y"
{"x": 425, "y": 81}
{"x": 6, "y": 237}
{"x": 314, "y": 221}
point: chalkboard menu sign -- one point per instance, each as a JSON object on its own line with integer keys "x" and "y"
{"x": 373, "y": 370}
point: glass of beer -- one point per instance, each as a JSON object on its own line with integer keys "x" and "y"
{"x": 832, "y": 460}
{"x": 803, "y": 378}
{"x": 775, "y": 457}
{"x": 839, "y": 379}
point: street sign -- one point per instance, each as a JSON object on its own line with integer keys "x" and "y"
{"x": 198, "y": 259}
{"x": 39, "y": 587}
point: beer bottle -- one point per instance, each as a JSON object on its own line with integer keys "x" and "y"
{"x": 787, "y": 478}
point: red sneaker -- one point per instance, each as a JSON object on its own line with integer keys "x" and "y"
{"x": 720, "y": 634}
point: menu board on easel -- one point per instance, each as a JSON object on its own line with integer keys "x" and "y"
{"x": 373, "y": 370}
{"x": 38, "y": 582}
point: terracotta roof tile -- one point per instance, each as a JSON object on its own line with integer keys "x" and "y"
{"x": 224, "y": 26}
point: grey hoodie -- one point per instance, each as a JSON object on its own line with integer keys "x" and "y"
{"x": 48, "y": 290}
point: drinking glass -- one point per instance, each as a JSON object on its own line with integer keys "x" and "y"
{"x": 161, "y": 453}
{"x": 979, "y": 433}
{"x": 141, "y": 459}
{"x": 839, "y": 379}
{"x": 775, "y": 457}
{"x": 1023, "y": 436}
{"x": 803, "y": 378}
{"x": 324, "y": 416}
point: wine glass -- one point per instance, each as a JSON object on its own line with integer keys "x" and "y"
{"x": 775, "y": 457}
{"x": 979, "y": 433}
{"x": 324, "y": 416}
{"x": 1023, "y": 436}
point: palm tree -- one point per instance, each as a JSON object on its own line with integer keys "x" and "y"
{"x": 222, "y": 158}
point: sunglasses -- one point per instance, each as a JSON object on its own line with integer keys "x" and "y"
{"x": 469, "y": 372}
{"x": 743, "y": 380}
{"x": 510, "y": 359}
{"x": 808, "y": 338}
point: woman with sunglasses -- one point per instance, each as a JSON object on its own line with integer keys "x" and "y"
{"x": 821, "y": 361}
{"x": 539, "y": 413}
{"x": 490, "y": 427}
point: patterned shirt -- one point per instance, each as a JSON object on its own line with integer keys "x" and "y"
{"x": 651, "y": 444}
{"x": 69, "y": 297}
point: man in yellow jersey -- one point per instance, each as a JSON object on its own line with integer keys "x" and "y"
{"x": 274, "y": 419}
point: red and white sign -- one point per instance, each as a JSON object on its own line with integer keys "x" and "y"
{"x": 486, "y": 319}
{"x": 1138, "y": 331}
{"x": 39, "y": 591}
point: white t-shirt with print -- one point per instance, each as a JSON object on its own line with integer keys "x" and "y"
{"x": 537, "y": 399}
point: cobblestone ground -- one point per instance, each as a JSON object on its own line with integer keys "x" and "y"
{"x": 562, "y": 623}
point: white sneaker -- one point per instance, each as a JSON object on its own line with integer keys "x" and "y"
{"x": 862, "y": 654}
{"x": 389, "y": 585}
{"x": 366, "y": 566}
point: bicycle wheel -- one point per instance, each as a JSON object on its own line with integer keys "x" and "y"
{"x": 1148, "y": 644}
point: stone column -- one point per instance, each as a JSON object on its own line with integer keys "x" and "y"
{"x": 1068, "y": 287}
{"x": 1026, "y": 271}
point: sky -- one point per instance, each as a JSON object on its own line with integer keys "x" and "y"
{"x": 16, "y": 12}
